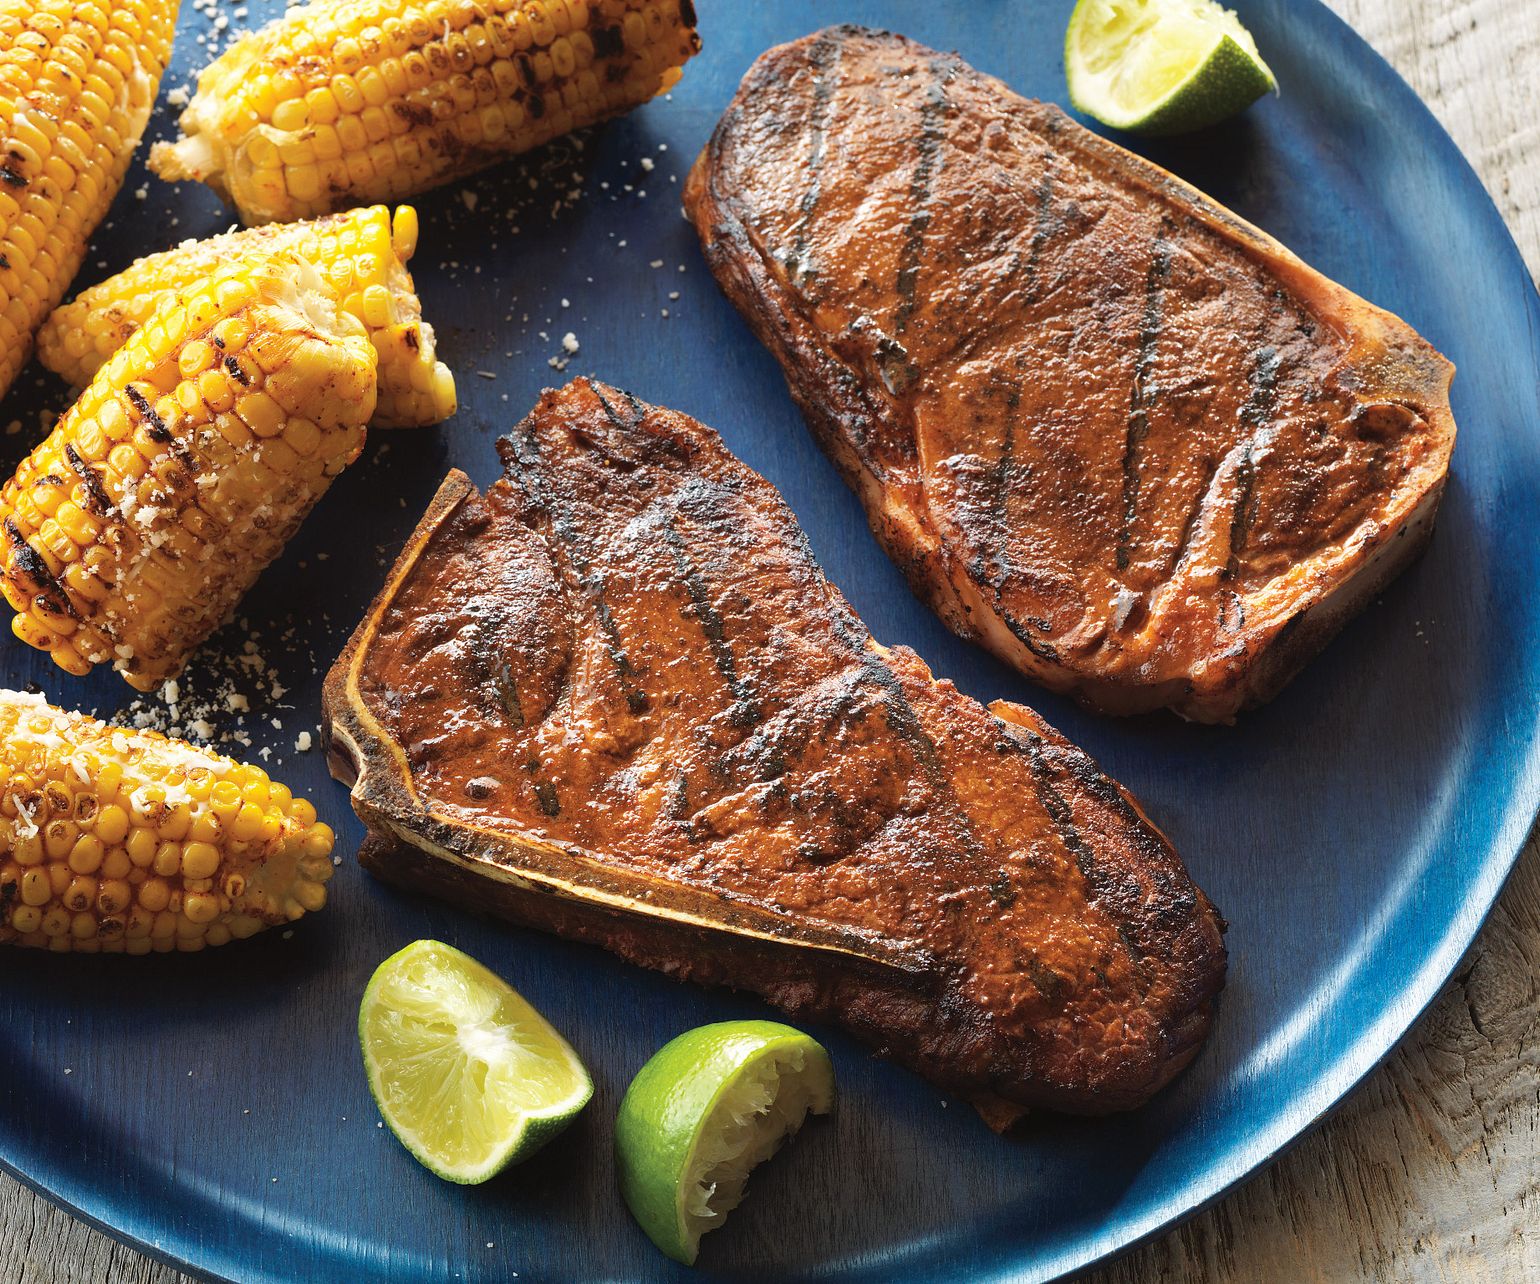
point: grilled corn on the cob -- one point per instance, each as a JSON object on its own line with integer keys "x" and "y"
{"x": 129, "y": 533}
{"x": 77, "y": 81}
{"x": 363, "y": 255}
{"x": 115, "y": 841}
{"x": 343, "y": 101}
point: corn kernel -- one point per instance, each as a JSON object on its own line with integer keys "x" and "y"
{"x": 87, "y": 854}
{"x": 155, "y": 895}
{"x": 28, "y": 850}
{"x": 200, "y": 908}
{"x": 26, "y": 919}
{"x": 141, "y": 845}
{"x": 199, "y": 860}
{"x": 35, "y": 887}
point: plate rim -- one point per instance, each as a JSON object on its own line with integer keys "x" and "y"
{"x": 1517, "y": 826}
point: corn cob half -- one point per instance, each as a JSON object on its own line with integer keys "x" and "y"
{"x": 195, "y": 452}
{"x": 115, "y": 841}
{"x": 77, "y": 81}
{"x": 343, "y": 101}
{"x": 363, "y": 256}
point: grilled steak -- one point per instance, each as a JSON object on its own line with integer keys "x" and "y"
{"x": 1111, "y": 431}
{"x": 616, "y": 698}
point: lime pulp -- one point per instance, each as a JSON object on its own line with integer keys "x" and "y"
{"x": 464, "y": 1071}
{"x": 1161, "y": 66}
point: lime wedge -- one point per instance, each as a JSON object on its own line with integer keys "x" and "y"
{"x": 465, "y": 1072}
{"x": 1161, "y": 66}
{"x": 709, "y": 1107}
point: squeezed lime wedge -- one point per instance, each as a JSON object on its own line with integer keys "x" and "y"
{"x": 707, "y": 1109}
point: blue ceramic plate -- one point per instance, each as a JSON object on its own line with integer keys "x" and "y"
{"x": 214, "y": 1111}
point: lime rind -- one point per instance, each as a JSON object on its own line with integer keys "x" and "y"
{"x": 1161, "y": 66}
{"x": 709, "y": 1107}
{"x": 465, "y": 1072}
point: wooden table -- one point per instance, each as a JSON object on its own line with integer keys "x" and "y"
{"x": 1432, "y": 1170}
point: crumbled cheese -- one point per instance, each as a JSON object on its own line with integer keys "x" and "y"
{"x": 302, "y": 742}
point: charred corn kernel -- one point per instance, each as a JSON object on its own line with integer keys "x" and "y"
{"x": 343, "y": 101}
{"x": 190, "y": 893}
{"x": 363, "y": 256}
{"x": 77, "y": 82}
{"x": 173, "y": 823}
{"x": 58, "y": 839}
{"x": 185, "y": 521}
{"x": 80, "y": 894}
{"x": 113, "y": 897}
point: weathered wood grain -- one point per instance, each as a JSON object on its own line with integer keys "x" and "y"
{"x": 1432, "y": 1171}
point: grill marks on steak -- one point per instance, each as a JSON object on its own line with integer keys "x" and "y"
{"x": 1109, "y": 429}
{"x": 621, "y": 672}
